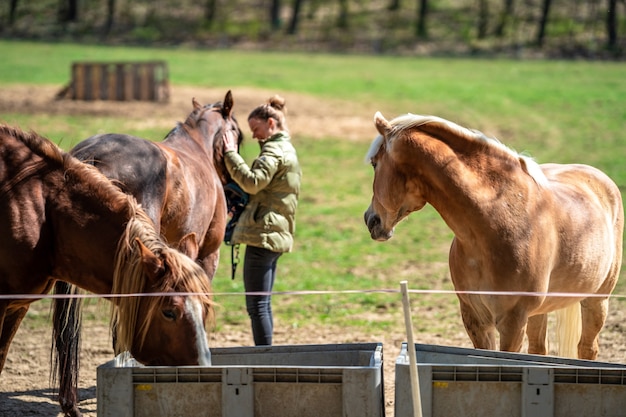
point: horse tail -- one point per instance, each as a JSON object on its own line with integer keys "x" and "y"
{"x": 66, "y": 330}
{"x": 568, "y": 330}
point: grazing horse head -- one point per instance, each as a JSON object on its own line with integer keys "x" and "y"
{"x": 166, "y": 327}
{"x": 157, "y": 329}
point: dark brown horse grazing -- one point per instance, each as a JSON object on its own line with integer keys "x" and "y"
{"x": 518, "y": 226}
{"x": 179, "y": 184}
{"x": 61, "y": 219}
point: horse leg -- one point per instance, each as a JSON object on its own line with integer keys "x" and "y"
{"x": 536, "y": 330}
{"x": 480, "y": 329}
{"x": 512, "y": 327}
{"x": 593, "y": 315}
{"x": 9, "y": 323}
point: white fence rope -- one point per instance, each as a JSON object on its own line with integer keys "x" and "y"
{"x": 310, "y": 292}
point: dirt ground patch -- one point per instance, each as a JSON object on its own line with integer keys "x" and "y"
{"x": 308, "y": 116}
{"x": 24, "y": 383}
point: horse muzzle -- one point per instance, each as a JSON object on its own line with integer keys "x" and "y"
{"x": 374, "y": 225}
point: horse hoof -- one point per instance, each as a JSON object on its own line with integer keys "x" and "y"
{"x": 73, "y": 412}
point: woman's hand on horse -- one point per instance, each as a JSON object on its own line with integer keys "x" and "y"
{"x": 230, "y": 141}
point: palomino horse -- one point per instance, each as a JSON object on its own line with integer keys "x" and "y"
{"x": 178, "y": 182}
{"x": 518, "y": 227}
{"x": 61, "y": 219}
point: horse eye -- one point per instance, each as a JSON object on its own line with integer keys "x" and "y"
{"x": 169, "y": 314}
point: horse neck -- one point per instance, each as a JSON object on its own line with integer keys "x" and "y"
{"x": 204, "y": 139}
{"x": 90, "y": 229}
{"x": 462, "y": 179}
{"x": 213, "y": 148}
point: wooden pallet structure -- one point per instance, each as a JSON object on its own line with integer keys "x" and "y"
{"x": 118, "y": 81}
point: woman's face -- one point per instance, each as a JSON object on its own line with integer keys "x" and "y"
{"x": 262, "y": 129}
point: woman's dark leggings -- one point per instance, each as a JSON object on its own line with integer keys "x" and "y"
{"x": 259, "y": 273}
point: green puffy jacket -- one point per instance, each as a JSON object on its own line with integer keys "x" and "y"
{"x": 273, "y": 182}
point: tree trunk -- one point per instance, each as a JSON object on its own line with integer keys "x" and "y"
{"x": 110, "y": 16}
{"x": 68, "y": 11}
{"x": 422, "y": 12}
{"x": 209, "y": 11}
{"x": 611, "y": 24}
{"x": 342, "y": 20}
{"x": 295, "y": 17}
{"x": 505, "y": 17}
{"x": 483, "y": 18}
{"x": 394, "y": 5}
{"x": 543, "y": 22}
{"x": 275, "y": 15}
{"x": 12, "y": 10}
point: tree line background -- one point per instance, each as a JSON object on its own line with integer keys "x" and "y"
{"x": 522, "y": 28}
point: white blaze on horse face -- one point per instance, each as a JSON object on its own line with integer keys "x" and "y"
{"x": 373, "y": 215}
{"x": 194, "y": 308}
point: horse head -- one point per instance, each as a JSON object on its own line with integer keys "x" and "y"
{"x": 219, "y": 118}
{"x": 167, "y": 328}
{"x": 396, "y": 194}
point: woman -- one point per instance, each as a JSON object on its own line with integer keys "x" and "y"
{"x": 267, "y": 224}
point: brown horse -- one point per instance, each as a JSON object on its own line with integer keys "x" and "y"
{"x": 61, "y": 219}
{"x": 179, "y": 181}
{"x": 518, "y": 226}
{"x": 179, "y": 184}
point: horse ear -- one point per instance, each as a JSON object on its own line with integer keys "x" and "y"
{"x": 189, "y": 245}
{"x": 227, "y": 107}
{"x": 195, "y": 104}
{"x": 382, "y": 125}
{"x": 152, "y": 264}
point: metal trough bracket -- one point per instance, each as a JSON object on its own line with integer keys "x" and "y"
{"x": 237, "y": 392}
{"x": 538, "y": 392}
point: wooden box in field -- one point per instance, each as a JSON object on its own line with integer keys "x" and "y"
{"x": 119, "y": 81}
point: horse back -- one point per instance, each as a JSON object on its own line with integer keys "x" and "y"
{"x": 137, "y": 166}
{"x": 578, "y": 184}
{"x": 590, "y": 213}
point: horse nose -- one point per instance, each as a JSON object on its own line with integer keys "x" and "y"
{"x": 374, "y": 225}
{"x": 372, "y": 220}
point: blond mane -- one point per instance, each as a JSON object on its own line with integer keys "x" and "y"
{"x": 410, "y": 121}
{"x": 186, "y": 277}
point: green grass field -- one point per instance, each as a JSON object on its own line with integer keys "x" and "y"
{"x": 557, "y": 111}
